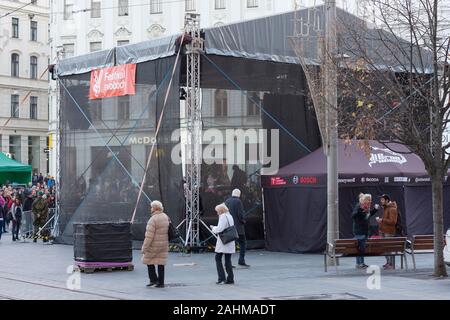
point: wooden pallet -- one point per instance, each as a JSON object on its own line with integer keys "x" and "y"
{"x": 92, "y": 269}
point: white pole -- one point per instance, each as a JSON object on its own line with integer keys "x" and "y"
{"x": 332, "y": 122}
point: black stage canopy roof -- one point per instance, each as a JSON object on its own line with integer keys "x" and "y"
{"x": 266, "y": 39}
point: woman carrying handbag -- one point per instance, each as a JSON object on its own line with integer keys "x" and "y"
{"x": 227, "y": 249}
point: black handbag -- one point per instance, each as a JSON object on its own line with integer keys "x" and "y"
{"x": 173, "y": 232}
{"x": 229, "y": 234}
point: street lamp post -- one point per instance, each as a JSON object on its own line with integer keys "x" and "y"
{"x": 331, "y": 118}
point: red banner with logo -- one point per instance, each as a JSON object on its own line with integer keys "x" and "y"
{"x": 113, "y": 82}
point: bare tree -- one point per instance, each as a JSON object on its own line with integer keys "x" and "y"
{"x": 395, "y": 87}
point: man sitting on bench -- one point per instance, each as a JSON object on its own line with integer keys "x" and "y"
{"x": 361, "y": 215}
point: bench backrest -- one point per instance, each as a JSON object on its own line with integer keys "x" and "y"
{"x": 385, "y": 245}
{"x": 423, "y": 242}
{"x": 373, "y": 246}
{"x": 346, "y": 246}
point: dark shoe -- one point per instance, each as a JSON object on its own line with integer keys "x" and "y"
{"x": 234, "y": 267}
{"x": 244, "y": 265}
{"x": 159, "y": 286}
{"x": 229, "y": 282}
{"x": 220, "y": 282}
{"x": 14, "y": 239}
{"x": 34, "y": 240}
{"x": 151, "y": 284}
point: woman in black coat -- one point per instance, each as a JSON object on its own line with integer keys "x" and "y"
{"x": 16, "y": 211}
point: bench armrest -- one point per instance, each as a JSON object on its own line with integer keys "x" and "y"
{"x": 329, "y": 249}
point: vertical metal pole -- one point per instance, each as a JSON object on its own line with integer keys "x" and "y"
{"x": 56, "y": 231}
{"x": 194, "y": 128}
{"x": 332, "y": 121}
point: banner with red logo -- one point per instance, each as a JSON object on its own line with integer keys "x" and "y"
{"x": 113, "y": 82}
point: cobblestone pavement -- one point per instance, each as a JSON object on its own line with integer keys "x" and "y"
{"x": 39, "y": 271}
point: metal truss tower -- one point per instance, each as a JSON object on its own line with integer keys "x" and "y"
{"x": 194, "y": 131}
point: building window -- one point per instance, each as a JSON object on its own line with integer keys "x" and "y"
{"x": 33, "y": 67}
{"x": 190, "y": 5}
{"x": 33, "y": 107}
{"x": 155, "y": 6}
{"x": 15, "y": 147}
{"x": 69, "y": 50}
{"x": 95, "y": 46}
{"x": 123, "y": 7}
{"x": 96, "y": 110}
{"x": 96, "y": 8}
{"x": 252, "y": 3}
{"x": 253, "y": 104}
{"x": 15, "y": 27}
{"x": 14, "y": 106}
{"x": 220, "y": 4}
{"x": 122, "y": 42}
{"x": 68, "y": 10}
{"x": 33, "y": 151}
{"x": 220, "y": 103}
{"x": 33, "y": 30}
{"x": 123, "y": 108}
{"x": 14, "y": 65}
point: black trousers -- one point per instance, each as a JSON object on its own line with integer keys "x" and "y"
{"x": 228, "y": 267}
{"x": 242, "y": 241}
{"x": 156, "y": 278}
{"x": 15, "y": 228}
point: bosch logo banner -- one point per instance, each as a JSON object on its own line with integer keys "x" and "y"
{"x": 308, "y": 180}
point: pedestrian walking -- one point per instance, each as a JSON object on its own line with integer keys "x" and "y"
{"x": 16, "y": 211}
{"x": 225, "y": 221}
{"x": 361, "y": 215}
{"x": 387, "y": 225}
{"x": 156, "y": 244}
{"x": 236, "y": 208}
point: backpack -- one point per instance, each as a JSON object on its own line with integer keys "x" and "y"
{"x": 399, "y": 226}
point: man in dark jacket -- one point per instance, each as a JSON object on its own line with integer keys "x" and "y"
{"x": 361, "y": 215}
{"x": 236, "y": 208}
{"x": 27, "y": 208}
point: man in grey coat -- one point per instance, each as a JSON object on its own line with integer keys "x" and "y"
{"x": 236, "y": 208}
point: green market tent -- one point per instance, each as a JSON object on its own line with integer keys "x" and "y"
{"x": 13, "y": 171}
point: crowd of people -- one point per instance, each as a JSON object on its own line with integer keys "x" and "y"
{"x": 25, "y": 209}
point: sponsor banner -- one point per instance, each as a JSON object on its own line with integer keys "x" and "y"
{"x": 291, "y": 181}
{"x": 298, "y": 181}
{"x": 113, "y": 82}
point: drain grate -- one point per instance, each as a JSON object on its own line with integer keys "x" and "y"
{"x": 324, "y": 296}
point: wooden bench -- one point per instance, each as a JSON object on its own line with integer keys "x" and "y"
{"x": 420, "y": 244}
{"x": 374, "y": 247}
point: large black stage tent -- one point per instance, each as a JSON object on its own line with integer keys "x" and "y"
{"x": 295, "y": 199}
{"x": 105, "y": 142}
{"x": 251, "y": 79}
